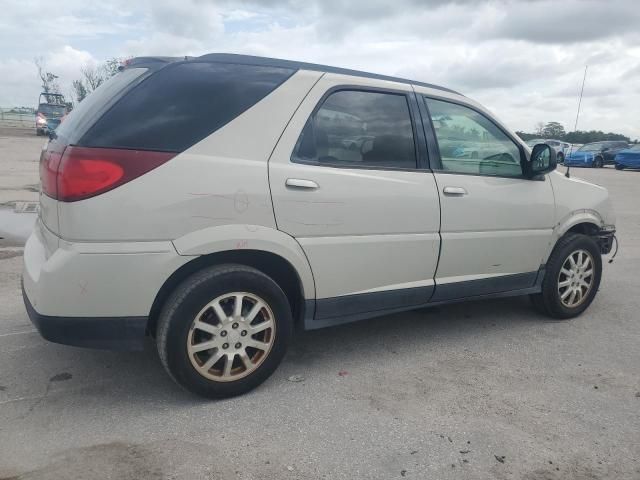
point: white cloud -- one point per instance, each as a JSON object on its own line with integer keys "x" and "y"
{"x": 524, "y": 59}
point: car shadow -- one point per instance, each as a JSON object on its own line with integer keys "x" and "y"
{"x": 138, "y": 378}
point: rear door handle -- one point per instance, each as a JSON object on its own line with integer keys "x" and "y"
{"x": 454, "y": 191}
{"x": 301, "y": 183}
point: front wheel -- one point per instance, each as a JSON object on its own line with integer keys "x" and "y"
{"x": 572, "y": 277}
{"x": 560, "y": 158}
{"x": 598, "y": 162}
{"x": 224, "y": 330}
{"x": 619, "y": 167}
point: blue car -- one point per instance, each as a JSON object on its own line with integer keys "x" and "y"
{"x": 596, "y": 154}
{"x": 629, "y": 158}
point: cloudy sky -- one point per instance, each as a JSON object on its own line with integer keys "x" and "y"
{"x": 523, "y": 59}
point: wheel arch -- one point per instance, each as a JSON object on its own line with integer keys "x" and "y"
{"x": 271, "y": 251}
{"x": 586, "y": 222}
{"x": 271, "y": 264}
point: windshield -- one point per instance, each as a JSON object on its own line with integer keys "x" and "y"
{"x": 592, "y": 147}
{"x": 53, "y": 110}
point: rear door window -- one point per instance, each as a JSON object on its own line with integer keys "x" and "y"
{"x": 181, "y": 104}
{"x": 354, "y": 128}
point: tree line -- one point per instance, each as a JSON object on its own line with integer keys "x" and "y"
{"x": 555, "y": 130}
{"x": 91, "y": 77}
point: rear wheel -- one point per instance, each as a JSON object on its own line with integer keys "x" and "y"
{"x": 572, "y": 277}
{"x": 560, "y": 157}
{"x": 619, "y": 167}
{"x": 598, "y": 162}
{"x": 224, "y": 331}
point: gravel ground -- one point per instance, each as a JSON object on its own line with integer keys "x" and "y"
{"x": 476, "y": 391}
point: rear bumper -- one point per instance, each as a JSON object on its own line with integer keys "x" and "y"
{"x": 111, "y": 333}
{"x": 94, "y": 294}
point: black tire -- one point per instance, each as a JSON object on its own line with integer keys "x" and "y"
{"x": 190, "y": 297}
{"x": 619, "y": 167}
{"x": 560, "y": 158}
{"x": 548, "y": 301}
{"x": 598, "y": 162}
{"x": 39, "y": 132}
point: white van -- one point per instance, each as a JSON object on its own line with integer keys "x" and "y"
{"x": 215, "y": 203}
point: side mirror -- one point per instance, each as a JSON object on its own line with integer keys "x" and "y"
{"x": 543, "y": 160}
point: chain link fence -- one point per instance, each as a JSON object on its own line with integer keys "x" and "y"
{"x": 17, "y": 117}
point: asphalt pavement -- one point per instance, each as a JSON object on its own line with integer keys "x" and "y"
{"x": 480, "y": 390}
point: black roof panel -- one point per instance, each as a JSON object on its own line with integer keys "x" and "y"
{"x": 275, "y": 62}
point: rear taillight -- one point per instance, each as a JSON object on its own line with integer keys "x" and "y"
{"x": 83, "y": 172}
{"x": 49, "y": 164}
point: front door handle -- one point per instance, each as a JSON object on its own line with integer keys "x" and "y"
{"x": 301, "y": 183}
{"x": 454, "y": 191}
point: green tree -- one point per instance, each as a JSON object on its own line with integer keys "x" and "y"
{"x": 553, "y": 130}
{"x": 49, "y": 80}
{"x": 580, "y": 136}
{"x": 93, "y": 76}
{"x": 79, "y": 90}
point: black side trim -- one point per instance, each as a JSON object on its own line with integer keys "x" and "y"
{"x": 484, "y": 286}
{"x": 351, "y": 308}
{"x": 110, "y": 333}
{"x": 370, "y": 302}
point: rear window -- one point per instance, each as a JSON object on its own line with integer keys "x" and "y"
{"x": 55, "y": 110}
{"x": 81, "y": 117}
{"x": 182, "y": 104}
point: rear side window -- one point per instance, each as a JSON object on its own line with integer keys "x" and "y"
{"x": 182, "y": 104}
{"x": 355, "y": 128}
{"x": 82, "y": 116}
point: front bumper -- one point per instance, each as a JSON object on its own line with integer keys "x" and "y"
{"x": 605, "y": 239}
{"x": 628, "y": 163}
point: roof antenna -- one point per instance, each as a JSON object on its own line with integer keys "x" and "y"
{"x": 575, "y": 127}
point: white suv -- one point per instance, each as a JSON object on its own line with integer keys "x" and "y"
{"x": 215, "y": 203}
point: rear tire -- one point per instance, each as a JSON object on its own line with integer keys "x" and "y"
{"x": 567, "y": 291}
{"x": 619, "y": 167}
{"x": 598, "y": 162}
{"x": 222, "y": 357}
{"x": 560, "y": 158}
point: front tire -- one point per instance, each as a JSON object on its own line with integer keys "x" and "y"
{"x": 619, "y": 167}
{"x": 224, "y": 330}
{"x": 572, "y": 277}
{"x": 598, "y": 162}
{"x": 560, "y": 158}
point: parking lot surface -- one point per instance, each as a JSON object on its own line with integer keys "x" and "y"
{"x": 478, "y": 390}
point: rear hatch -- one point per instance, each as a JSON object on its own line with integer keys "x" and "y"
{"x": 58, "y": 153}
{"x": 151, "y": 112}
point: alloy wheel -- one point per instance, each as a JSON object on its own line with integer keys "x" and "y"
{"x": 231, "y": 336}
{"x": 575, "y": 279}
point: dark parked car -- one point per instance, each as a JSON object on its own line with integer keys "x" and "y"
{"x": 628, "y": 158}
{"x": 595, "y": 154}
